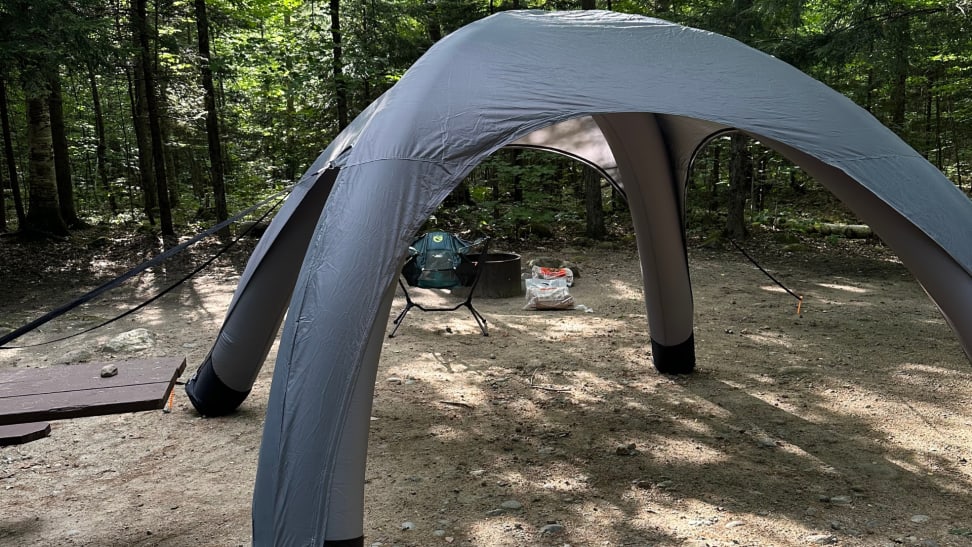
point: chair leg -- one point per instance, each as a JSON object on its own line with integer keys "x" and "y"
{"x": 401, "y": 317}
{"x": 480, "y": 320}
{"x": 408, "y": 305}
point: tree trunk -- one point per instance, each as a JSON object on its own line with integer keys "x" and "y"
{"x": 593, "y": 204}
{"x": 938, "y": 132}
{"x": 146, "y": 169}
{"x": 101, "y": 149}
{"x": 869, "y": 94}
{"x": 900, "y": 44}
{"x": 433, "y": 26}
{"x": 196, "y": 178}
{"x": 43, "y": 212}
{"x": 740, "y": 179}
{"x": 165, "y": 125}
{"x": 957, "y": 146}
{"x": 761, "y": 186}
{"x": 929, "y": 101}
{"x": 140, "y": 21}
{"x": 516, "y": 161}
{"x": 712, "y": 185}
{"x": 340, "y": 89}
{"x": 212, "y": 120}
{"x": 11, "y": 160}
{"x": 3, "y": 206}
{"x": 171, "y": 173}
{"x": 290, "y": 131}
{"x": 62, "y": 160}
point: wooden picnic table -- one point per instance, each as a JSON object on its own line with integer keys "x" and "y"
{"x": 31, "y": 395}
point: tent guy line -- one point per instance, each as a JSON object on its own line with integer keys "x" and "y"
{"x": 154, "y": 261}
{"x": 769, "y": 275}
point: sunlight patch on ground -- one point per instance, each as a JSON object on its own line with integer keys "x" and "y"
{"x": 702, "y": 517}
{"x": 709, "y": 409}
{"x": 589, "y": 387}
{"x": 518, "y": 324}
{"x": 773, "y": 289}
{"x": 603, "y": 511}
{"x": 690, "y": 451}
{"x": 444, "y": 432}
{"x": 922, "y": 370}
{"x": 638, "y": 408}
{"x": 811, "y": 304}
{"x": 846, "y": 288}
{"x": 936, "y": 321}
{"x": 566, "y": 481}
{"x": 908, "y": 466}
{"x": 589, "y": 379}
{"x": 764, "y": 379}
{"x": 637, "y": 354}
{"x": 584, "y": 400}
{"x": 701, "y": 428}
{"x": 626, "y": 290}
{"x": 462, "y": 396}
{"x": 482, "y": 531}
{"x": 542, "y": 326}
{"x": 798, "y": 452}
{"x": 572, "y": 327}
{"x": 770, "y": 338}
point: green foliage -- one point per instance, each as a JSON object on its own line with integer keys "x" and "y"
{"x": 525, "y": 196}
{"x": 909, "y": 62}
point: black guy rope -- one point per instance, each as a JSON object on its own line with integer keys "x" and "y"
{"x": 769, "y": 275}
{"x": 111, "y": 284}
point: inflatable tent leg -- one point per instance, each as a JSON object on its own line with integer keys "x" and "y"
{"x": 345, "y": 512}
{"x": 656, "y": 211}
{"x": 225, "y": 378}
{"x": 344, "y": 498}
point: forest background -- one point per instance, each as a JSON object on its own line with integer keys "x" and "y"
{"x": 131, "y": 125}
{"x": 165, "y": 116}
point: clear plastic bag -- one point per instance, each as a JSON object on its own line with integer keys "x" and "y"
{"x": 548, "y": 294}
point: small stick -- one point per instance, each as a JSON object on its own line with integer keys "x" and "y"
{"x": 561, "y": 390}
{"x": 456, "y": 403}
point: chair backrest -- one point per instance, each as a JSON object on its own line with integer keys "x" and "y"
{"x": 438, "y": 261}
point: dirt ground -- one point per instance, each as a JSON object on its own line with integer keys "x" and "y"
{"x": 847, "y": 426}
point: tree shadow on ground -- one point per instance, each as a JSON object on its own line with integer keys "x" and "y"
{"x": 782, "y": 434}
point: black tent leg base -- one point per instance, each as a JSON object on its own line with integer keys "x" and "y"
{"x": 677, "y": 359}
{"x": 210, "y": 395}
{"x": 354, "y": 542}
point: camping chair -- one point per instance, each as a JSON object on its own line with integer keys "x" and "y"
{"x": 440, "y": 260}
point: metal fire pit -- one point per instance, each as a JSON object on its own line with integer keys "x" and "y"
{"x": 500, "y": 277}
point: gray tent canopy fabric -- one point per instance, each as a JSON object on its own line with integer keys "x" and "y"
{"x": 637, "y": 102}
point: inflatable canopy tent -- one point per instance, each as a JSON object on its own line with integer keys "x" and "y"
{"x": 633, "y": 96}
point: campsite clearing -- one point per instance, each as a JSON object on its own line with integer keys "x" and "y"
{"x": 848, "y": 425}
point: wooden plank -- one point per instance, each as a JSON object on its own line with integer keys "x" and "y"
{"x": 18, "y": 381}
{"x": 74, "y": 391}
{"x": 23, "y": 433}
